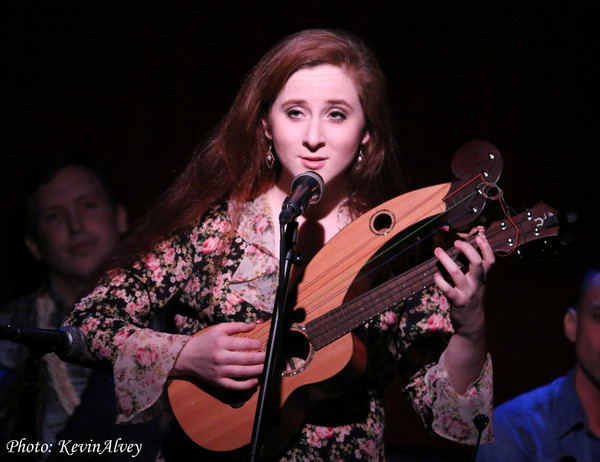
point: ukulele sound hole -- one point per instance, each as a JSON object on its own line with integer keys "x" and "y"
{"x": 297, "y": 351}
{"x": 382, "y": 222}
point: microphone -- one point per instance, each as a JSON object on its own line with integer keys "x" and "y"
{"x": 307, "y": 188}
{"x": 67, "y": 342}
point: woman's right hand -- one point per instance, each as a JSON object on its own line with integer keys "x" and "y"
{"x": 220, "y": 358}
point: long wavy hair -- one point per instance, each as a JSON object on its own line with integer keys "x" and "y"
{"x": 231, "y": 165}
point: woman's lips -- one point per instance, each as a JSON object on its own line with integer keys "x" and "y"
{"x": 313, "y": 163}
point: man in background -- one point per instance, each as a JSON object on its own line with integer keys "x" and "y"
{"x": 559, "y": 422}
{"x": 73, "y": 222}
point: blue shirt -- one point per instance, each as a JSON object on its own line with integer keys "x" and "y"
{"x": 546, "y": 424}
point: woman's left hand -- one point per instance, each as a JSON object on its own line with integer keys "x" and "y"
{"x": 467, "y": 292}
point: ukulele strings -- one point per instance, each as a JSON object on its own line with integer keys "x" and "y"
{"x": 354, "y": 258}
{"x": 357, "y": 254}
{"x": 484, "y": 187}
{"x": 323, "y": 279}
{"x": 339, "y": 321}
{"x": 492, "y": 234}
{"x": 318, "y": 299}
{"x": 478, "y": 190}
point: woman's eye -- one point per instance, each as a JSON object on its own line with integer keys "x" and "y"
{"x": 91, "y": 205}
{"x": 337, "y": 115}
{"x": 294, "y": 114}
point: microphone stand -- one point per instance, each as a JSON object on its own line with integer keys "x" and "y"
{"x": 30, "y": 406}
{"x": 29, "y": 423}
{"x": 270, "y": 387}
{"x": 29, "y": 420}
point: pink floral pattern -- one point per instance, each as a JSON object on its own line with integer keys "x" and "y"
{"x": 224, "y": 275}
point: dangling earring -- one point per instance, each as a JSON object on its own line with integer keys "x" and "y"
{"x": 270, "y": 158}
{"x": 360, "y": 157}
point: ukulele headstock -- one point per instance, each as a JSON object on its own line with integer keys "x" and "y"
{"x": 477, "y": 166}
{"x": 539, "y": 222}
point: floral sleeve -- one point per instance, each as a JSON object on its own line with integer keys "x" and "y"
{"x": 115, "y": 317}
{"x": 423, "y": 332}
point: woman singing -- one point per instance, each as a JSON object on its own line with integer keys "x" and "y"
{"x": 315, "y": 102}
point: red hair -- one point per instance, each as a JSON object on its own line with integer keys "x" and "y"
{"x": 232, "y": 163}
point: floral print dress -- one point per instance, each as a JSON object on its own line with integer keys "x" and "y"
{"x": 224, "y": 275}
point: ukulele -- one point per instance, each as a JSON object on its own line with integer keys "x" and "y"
{"x": 222, "y": 420}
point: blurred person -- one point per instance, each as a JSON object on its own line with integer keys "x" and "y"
{"x": 73, "y": 222}
{"x": 559, "y": 421}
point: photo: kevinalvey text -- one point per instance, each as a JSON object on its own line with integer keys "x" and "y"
{"x": 71, "y": 448}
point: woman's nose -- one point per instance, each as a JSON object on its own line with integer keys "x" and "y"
{"x": 314, "y": 138}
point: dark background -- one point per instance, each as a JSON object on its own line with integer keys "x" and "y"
{"x": 141, "y": 83}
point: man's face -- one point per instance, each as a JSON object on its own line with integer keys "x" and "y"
{"x": 583, "y": 328}
{"x": 588, "y": 331}
{"x": 76, "y": 224}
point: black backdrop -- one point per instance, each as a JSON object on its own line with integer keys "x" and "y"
{"x": 140, "y": 83}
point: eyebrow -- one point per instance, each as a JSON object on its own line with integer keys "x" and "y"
{"x": 331, "y": 102}
{"x": 82, "y": 197}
